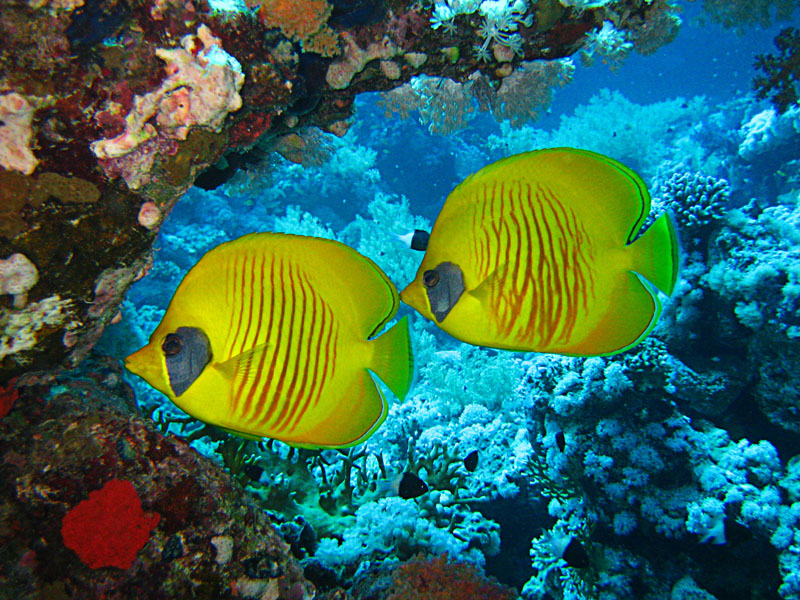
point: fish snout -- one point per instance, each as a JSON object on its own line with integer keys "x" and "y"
{"x": 414, "y": 296}
{"x": 145, "y": 365}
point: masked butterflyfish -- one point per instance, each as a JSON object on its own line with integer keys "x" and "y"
{"x": 543, "y": 252}
{"x": 270, "y": 335}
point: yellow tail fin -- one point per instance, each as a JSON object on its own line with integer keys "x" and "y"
{"x": 393, "y": 360}
{"x": 657, "y": 254}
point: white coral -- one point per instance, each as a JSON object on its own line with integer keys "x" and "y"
{"x": 17, "y": 276}
{"x": 19, "y": 328}
{"x": 201, "y": 88}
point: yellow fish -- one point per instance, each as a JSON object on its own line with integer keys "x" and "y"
{"x": 539, "y": 252}
{"x": 269, "y": 336}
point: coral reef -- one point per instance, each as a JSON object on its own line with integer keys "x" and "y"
{"x": 96, "y": 503}
{"x": 607, "y": 477}
{"x": 110, "y": 109}
{"x": 643, "y": 460}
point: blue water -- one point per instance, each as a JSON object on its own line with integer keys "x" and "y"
{"x": 677, "y": 471}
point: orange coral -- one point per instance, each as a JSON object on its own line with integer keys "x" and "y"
{"x": 441, "y": 578}
{"x": 304, "y": 21}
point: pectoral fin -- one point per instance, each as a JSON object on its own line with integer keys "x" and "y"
{"x": 490, "y": 286}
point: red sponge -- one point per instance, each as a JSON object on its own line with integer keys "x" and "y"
{"x": 109, "y": 528}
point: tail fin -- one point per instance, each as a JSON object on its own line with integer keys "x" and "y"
{"x": 657, "y": 254}
{"x": 393, "y": 360}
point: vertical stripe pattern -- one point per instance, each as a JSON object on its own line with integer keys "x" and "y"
{"x": 542, "y": 256}
{"x": 285, "y": 337}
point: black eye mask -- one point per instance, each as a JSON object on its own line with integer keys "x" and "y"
{"x": 187, "y": 352}
{"x": 444, "y": 286}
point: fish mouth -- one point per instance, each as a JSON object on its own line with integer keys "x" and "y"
{"x": 141, "y": 363}
{"x": 135, "y": 363}
{"x": 412, "y": 295}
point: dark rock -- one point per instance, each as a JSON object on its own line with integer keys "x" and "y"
{"x": 61, "y": 441}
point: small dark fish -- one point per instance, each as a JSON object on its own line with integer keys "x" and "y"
{"x": 575, "y": 555}
{"x": 254, "y": 472}
{"x": 420, "y": 240}
{"x": 561, "y": 441}
{"x": 416, "y": 240}
{"x": 471, "y": 461}
{"x": 410, "y": 486}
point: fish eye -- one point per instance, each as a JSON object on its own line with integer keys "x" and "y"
{"x": 430, "y": 278}
{"x": 172, "y": 344}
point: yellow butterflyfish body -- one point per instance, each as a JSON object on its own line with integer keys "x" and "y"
{"x": 539, "y": 252}
{"x": 269, "y": 336}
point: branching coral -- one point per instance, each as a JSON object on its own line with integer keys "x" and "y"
{"x": 781, "y": 72}
{"x": 697, "y": 202}
{"x": 447, "y": 106}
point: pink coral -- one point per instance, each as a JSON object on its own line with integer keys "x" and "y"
{"x": 201, "y": 88}
{"x": 440, "y": 578}
{"x": 149, "y": 215}
{"x": 109, "y": 528}
{"x": 16, "y": 135}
